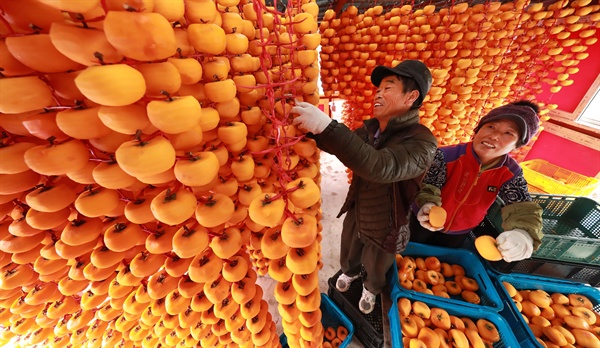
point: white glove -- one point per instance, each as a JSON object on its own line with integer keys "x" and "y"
{"x": 515, "y": 245}
{"x": 310, "y": 118}
{"x": 423, "y": 217}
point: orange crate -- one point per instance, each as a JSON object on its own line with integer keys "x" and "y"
{"x": 553, "y": 179}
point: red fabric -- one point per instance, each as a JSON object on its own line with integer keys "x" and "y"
{"x": 566, "y": 154}
{"x": 569, "y": 97}
{"x": 468, "y": 193}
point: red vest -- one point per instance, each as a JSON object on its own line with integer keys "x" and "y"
{"x": 469, "y": 193}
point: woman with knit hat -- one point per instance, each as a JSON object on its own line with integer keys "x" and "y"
{"x": 466, "y": 179}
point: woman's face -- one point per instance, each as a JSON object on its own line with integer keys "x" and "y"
{"x": 495, "y": 139}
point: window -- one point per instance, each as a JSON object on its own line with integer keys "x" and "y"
{"x": 590, "y": 116}
{"x": 586, "y": 116}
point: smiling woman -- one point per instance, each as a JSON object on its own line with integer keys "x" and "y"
{"x": 466, "y": 179}
{"x": 495, "y": 139}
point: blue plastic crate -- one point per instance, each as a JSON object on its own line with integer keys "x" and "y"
{"x": 332, "y": 316}
{"x": 507, "y": 339}
{"x": 528, "y": 282}
{"x": 473, "y": 269}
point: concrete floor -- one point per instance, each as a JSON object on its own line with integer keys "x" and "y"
{"x": 334, "y": 186}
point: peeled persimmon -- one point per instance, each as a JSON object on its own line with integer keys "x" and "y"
{"x": 272, "y": 244}
{"x": 300, "y": 231}
{"x": 428, "y": 337}
{"x": 85, "y": 46}
{"x": 111, "y": 85}
{"x": 440, "y": 318}
{"x": 145, "y": 158}
{"x": 266, "y": 211}
{"x": 330, "y": 333}
{"x": 409, "y": 327}
{"x": 486, "y": 246}
{"x": 173, "y": 207}
{"x": 23, "y": 94}
{"x": 140, "y": 35}
{"x": 487, "y": 330}
{"x": 304, "y": 192}
{"x": 470, "y": 296}
{"x": 437, "y": 216}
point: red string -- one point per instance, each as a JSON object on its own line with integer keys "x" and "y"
{"x": 282, "y": 144}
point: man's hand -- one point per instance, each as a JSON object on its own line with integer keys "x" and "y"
{"x": 423, "y": 217}
{"x": 310, "y": 118}
{"x": 515, "y": 245}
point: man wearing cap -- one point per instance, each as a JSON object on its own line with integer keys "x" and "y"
{"x": 466, "y": 179}
{"x": 388, "y": 156}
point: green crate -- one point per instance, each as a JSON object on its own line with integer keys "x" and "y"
{"x": 569, "y": 249}
{"x": 571, "y": 227}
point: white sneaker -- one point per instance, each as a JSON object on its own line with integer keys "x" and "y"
{"x": 343, "y": 282}
{"x": 367, "y": 301}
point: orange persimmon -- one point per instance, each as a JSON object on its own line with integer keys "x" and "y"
{"x": 486, "y": 246}
{"x": 437, "y": 216}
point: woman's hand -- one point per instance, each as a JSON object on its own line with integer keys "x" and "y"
{"x": 423, "y": 217}
{"x": 515, "y": 245}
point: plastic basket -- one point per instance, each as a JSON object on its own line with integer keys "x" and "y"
{"x": 332, "y": 316}
{"x": 473, "y": 269}
{"x": 559, "y": 270}
{"x": 554, "y": 179}
{"x": 368, "y": 327}
{"x": 527, "y": 282}
{"x": 571, "y": 227}
{"x": 507, "y": 339}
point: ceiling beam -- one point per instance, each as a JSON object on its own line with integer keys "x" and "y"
{"x": 338, "y": 5}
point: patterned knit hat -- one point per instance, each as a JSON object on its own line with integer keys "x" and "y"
{"x": 524, "y": 116}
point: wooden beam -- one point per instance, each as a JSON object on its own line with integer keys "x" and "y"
{"x": 338, "y": 5}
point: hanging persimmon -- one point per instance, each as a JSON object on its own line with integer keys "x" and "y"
{"x": 216, "y": 210}
{"x": 12, "y": 157}
{"x": 173, "y": 207}
{"x": 57, "y": 159}
{"x": 85, "y": 46}
{"x": 22, "y": 94}
{"x": 153, "y": 37}
{"x": 207, "y": 38}
{"x": 112, "y": 85}
{"x": 197, "y": 169}
{"x": 175, "y": 115}
{"x": 145, "y": 158}
{"x": 37, "y": 52}
{"x": 161, "y": 78}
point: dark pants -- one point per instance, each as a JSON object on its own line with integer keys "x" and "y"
{"x": 419, "y": 234}
{"x": 357, "y": 250}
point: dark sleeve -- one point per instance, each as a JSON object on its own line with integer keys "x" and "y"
{"x": 436, "y": 175}
{"x": 526, "y": 216}
{"x": 434, "y": 180}
{"x": 515, "y": 190}
{"x": 402, "y": 161}
{"x": 520, "y": 211}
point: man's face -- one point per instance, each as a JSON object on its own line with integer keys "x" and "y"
{"x": 495, "y": 139}
{"x": 389, "y": 99}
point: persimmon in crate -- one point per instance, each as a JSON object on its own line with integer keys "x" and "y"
{"x": 450, "y": 275}
{"x": 334, "y": 337}
{"x": 425, "y": 326}
{"x": 431, "y": 276}
{"x": 557, "y": 319}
